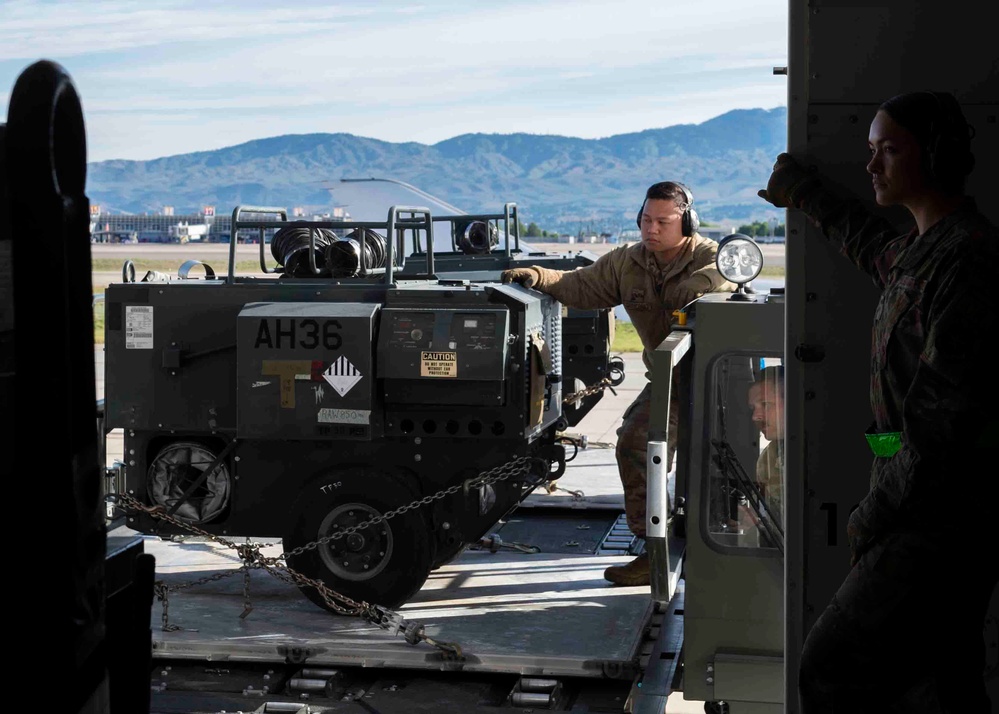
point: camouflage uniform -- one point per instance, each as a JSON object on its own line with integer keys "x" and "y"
{"x": 931, "y": 380}
{"x": 770, "y": 477}
{"x": 631, "y": 276}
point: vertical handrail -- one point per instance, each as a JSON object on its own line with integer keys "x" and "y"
{"x": 419, "y": 219}
{"x": 234, "y": 232}
{"x": 510, "y": 213}
{"x": 665, "y": 359}
{"x": 393, "y": 219}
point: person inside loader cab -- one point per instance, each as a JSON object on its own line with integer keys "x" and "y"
{"x": 766, "y": 403}
{"x": 766, "y": 400}
{"x": 670, "y": 267}
{"x": 922, "y": 540}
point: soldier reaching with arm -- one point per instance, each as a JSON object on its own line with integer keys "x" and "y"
{"x": 670, "y": 267}
{"x": 933, "y": 396}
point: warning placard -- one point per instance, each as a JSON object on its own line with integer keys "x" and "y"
{"x": 138, "y": 327}
{"x": 438, "y": 364}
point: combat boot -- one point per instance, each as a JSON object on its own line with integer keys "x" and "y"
{"x": 634, "y": 573}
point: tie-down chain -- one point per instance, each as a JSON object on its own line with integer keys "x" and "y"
{"x": 251, "y": 558}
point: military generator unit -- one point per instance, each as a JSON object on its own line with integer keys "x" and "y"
{"x": 374, "y": 414}
{"x": 482, "y": 247}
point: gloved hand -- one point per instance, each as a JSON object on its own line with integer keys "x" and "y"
{"x": 528, "y": 277}
{"x": 788, "y": 182}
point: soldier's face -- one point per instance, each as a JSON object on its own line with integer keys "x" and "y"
{"x": 767, "y": 404}
{"x": 896, "y": 165}
{"x": 662, "y": 225}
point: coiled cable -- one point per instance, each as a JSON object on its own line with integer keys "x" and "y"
{"x": 345, "y": 256}
{"x": 290, "y": 248}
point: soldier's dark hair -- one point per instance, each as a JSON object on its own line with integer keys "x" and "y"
{"x": 938, "y": 123}
{"x": 669, "y": 191}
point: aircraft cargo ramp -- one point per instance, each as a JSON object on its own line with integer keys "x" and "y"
{"x": 534, "y": 618}
{"x": 540, "y": 613}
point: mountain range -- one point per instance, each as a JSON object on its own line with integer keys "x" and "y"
{"x": 561, "y": 183}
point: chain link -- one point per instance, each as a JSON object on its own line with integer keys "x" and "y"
{"x": 251, "y": 558}
{"x": 615, "y": 377}
{"x": 576, "y": 495}
{"x": 500, "y": 473}
{"x": 600, "y": 386}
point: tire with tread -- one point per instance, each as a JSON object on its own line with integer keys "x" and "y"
{"x": 385, "y": 564}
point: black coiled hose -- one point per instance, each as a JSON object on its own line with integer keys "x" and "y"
{"x": 478, "y": 237}
{"x": 343, "y": 256}
{"x": 290, "y": 248}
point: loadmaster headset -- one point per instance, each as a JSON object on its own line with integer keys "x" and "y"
{"x": 689, "y": 222}
{"x": 948, "y": 150}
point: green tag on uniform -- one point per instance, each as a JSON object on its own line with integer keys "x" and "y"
{"x": 886, "y": 444}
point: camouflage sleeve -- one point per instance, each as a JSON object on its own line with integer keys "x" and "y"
{"x": 705, "y": 278}
{"x": 946, "y": 410}
{"x": 860, "y": 235}
{"x": 588, "y": 288}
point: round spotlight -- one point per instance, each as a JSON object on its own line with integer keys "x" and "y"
{"x": 739, "y": 259}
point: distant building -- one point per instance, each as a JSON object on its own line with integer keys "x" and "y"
{"x": 165, "y": 227}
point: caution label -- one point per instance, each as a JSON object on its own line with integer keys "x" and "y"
{"x": 438, "y": 364}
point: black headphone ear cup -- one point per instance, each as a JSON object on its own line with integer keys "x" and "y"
{"x": 638, "y": 218}
{"x": 691, "y": 222}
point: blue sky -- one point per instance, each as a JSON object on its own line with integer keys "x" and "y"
{"x": 161, "y": 78}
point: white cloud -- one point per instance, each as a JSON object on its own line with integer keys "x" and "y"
{"x": 158, "y": 78}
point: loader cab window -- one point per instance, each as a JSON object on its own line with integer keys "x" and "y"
{"x": 745, "y": 465}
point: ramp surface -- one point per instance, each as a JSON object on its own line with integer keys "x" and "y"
{"x": 547, "y": 613}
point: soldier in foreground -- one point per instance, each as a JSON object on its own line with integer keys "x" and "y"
{"x": 933, "y": 480}
{"x": 670, "y": 267}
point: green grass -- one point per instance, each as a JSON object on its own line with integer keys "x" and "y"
{"x": 99, "y": 323}
{"x": 626, "y": 339}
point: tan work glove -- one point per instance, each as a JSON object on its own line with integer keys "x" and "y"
{"x": 788, "y": 183}
{"x": 528, "y": 277}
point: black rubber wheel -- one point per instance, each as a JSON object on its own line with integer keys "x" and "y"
{"x": 446, "y": 556}
{"x": 385, "y": 564}
{"x": 716, "y": 707}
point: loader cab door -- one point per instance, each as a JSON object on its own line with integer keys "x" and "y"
{"x": 730, "y": 472}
